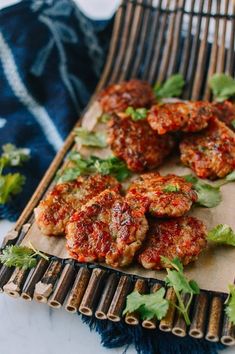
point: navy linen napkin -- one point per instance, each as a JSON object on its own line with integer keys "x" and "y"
{"x": 51, "y": 57}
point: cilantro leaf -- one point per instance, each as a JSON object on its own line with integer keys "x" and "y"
{"x": 175, "y": 263}
{"x": 104, "y": 118}
{"x": 171, "y": 188}
{"x": 208, "y": 196}
{"x": 87, "y": 138}
{"x": 148, "y": 306}
{"x": 14, "y": 156}
{"x": 137, "y": 114}
{"x": 93, "y": 164}
{"x": 233, "y": 123}
{"x": 230, "y": 304}
{"x": 20, "y": 256}
{"x": 223, "y": 234}
{"x": 10, "y": 184}
{"x": 223, "y": 86}
{"x": 172, "y": 87}
{"x": 230, "y": 177}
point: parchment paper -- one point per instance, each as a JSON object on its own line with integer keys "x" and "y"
{"x": 215, "y": 267}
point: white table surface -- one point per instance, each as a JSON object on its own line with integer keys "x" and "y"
{"x": 27, "y": 328}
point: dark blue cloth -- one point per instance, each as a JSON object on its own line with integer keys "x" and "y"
{"x": 51, "y": 57}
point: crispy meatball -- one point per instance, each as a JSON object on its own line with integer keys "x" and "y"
{"x": 137, "y": 144}
{"x": 162, "y": 196}
{"x": 183, "y": 237}
{"x": 180, "y": 116}
{"x": 211, "y": 153}
{"x": 53, "y": 213}
{"x": 106, "y": 229}
{"x": 134, "y": 93}
{"x": 225, "y": 111}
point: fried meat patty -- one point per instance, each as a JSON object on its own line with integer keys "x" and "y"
{"x": 106, "y": 229}
{"x": 162, "y": 196}
{"x": 53, "y": 212}
{"x": 183, "y": 237}
{"x": 225, "y": 111}
{"x": 137, "y": 144}
{"x": 211, "y": 153}
{"x": 180, "y": 116}
{"x": 135, "y": 93}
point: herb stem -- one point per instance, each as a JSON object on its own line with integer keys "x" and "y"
{"x": 182, "y": 307}
{"x": 38, "y": 253}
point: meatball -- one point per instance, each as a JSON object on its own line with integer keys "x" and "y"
{"x": 180, "y": 116}
{"x": 211, "y": 153}
{"x": 183, "y": 237}
{"x": 106, "y": 229}
{"x": 162, "y": 196}
{"x": 137, "y": 144}
{"x": 135, "y": 93}
{"x": 225, "y": 111}
{"x": 53, "y": 213}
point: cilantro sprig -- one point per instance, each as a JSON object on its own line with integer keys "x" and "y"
{"x": 208, "y": 196}
{"x": 137, "y": 114}
{"x": 21, "y": 256}
{"x": 93, "y": 164}
{"x": 222, "y": 234}
{"x": 172, "y": 87}
{"x": 181, "y": 285}
{"x": 148, "y": 306}
{"x": 230, "y": 304}
{"x": 223, "y": 87}
{"x": 90, "y": 138}
{"x": 11, "y": 183}
{"x": 171, "y": 188}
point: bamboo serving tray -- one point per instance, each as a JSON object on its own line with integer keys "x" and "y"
{"x": 151, "y": 40}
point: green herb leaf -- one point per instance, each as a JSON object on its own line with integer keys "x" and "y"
{"x": 223, "y": 86}
{"x": 104, "y": 118}
{"x": 230, "y": 177}
{"x": 20, "y": 256}
{"x": 93, "y": 164}
{"x": 14, "y": 156}
{"x": 172, "y": 87}
{"x": 137, "y": 114}
{"x": 87, "y": 138}
{"x": 208, "y": 196}
{"x": 233, "y": 123}
{"x": 181, "y": 285}
{"x": 223, "y": 234}
{"x": 10, "y": 184}
{"x": 148, "y": 306}
{"x": 230, "y": 304}
{"x": 171, "y": 188}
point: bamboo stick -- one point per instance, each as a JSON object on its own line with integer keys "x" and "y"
{"x": 15, "y": 283}
{"x": 63, "y": 286}
{"x": 78, "y": 290}
{"x": 34, "y": 277}
{"x": 92, "y": 292}
{"x": 5, "y": 274}
{"x": 152, "y": 324}
{"x": 119, "y": 299}
{"x": 106, "y": 298}
{"x": 197, "y": 327}
{"x": 133, "y": 317}
{"x": 166, "y": 323}
{"x": 215, "y": 314}
{"x": 179, "y": 328}
{"x": 228, "y": 332}
{"x": 44, "y": 288}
